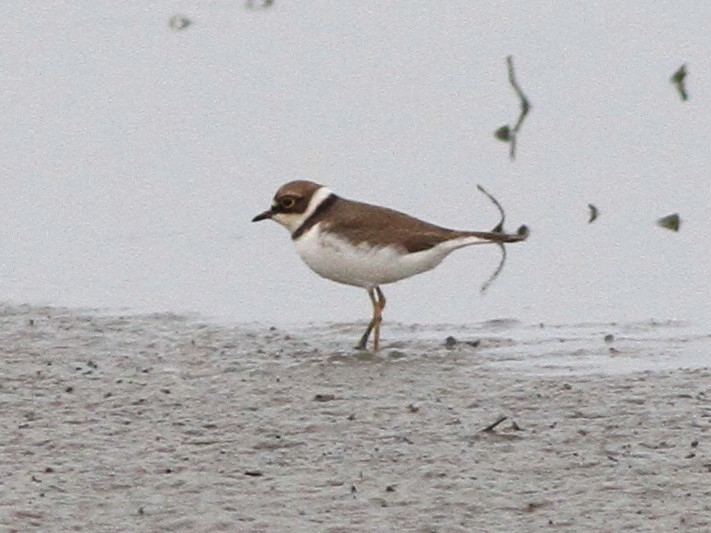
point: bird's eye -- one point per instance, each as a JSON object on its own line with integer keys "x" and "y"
{"x": 287, "y": 202}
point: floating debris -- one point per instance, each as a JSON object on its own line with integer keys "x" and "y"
{"x": 499, "y": 228}
{"x": 179, "y": 22}
{"x": 506, "y": 133}
{"x": 670, "y": 222}
{"x": 263, "y": 4}
{"x": 678, "y": 79}
{"x": 503, "y": 133}
{"x": 594, "y": 213}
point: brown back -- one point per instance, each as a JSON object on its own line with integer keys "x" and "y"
{"x": 365, "y": 223}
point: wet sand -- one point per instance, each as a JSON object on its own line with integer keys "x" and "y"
{"x": 167, "y": 423}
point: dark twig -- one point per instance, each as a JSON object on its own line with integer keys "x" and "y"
{"x": 485, "y": 286}
{"x": 499, "y": 228}
{"x": 525, "y": 104}
{"x": 491, "y": 427}
{"x": 506, "y": 133}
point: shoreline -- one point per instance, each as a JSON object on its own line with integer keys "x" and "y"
{"x": 158, "y": 422}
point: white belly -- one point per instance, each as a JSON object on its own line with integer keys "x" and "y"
{"x": 363, "y": 265}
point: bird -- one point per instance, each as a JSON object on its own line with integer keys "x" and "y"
{"x": 365, "y": 245}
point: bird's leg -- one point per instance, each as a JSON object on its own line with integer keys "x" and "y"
{"x": 379, "y": 305}
{"x": 364, "y": 339}
{"x": 377, "y": 298}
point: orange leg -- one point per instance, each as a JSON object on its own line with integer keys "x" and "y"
{"x": 377, "y": 298}
{"x": 380, "y": 307}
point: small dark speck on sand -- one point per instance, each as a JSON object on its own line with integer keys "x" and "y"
{"x": 324, "y": 397}
{"x": 253, "y": 473}
{"x": 534, "y": 506}
{"x": 451, "y": 342}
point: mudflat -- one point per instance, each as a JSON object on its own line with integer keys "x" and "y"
{"x": 172, "y": 423}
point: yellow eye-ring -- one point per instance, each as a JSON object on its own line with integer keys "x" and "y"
{"x": 287, "y": 202}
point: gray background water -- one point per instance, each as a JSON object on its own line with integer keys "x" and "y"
{"x": 134, "y": 155}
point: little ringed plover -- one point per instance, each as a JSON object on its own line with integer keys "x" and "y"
{"x": 365, "y": 245}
